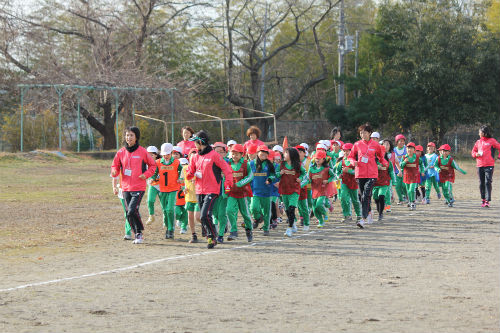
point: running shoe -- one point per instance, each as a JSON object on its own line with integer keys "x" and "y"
{"x": 450, "y": 204}
{"x": 183, "y": 231}
{"x": 413, "y": 206}
{"x": 483, "y": 204}
{"x": 220, "y": 239}
{"x": 305, "y": 228}
{"x": 266, "y": 233}
{"x": 249, "y": 234}
{"x": 439, "y": 195}
{"x": 150, "y": 220}
{"x": 139, "y": 239}
{"x": 211, "y": 243}
{"x": 288, "y": 232}
{"x": 294, "y": 227}
{"x": 380, "y": 217}
{"x": 256, "y": 222}
{"x": 233, "y": 235}
{"x": 321, "y": 225}
{"x": 400, "y": 203}
{"x": 388, "y": 209}
{"x": 281, "y": 208}
{"x": 361, "y": 224}
{"x": 127, "y": 237}
{"x": 167, "y": 234}
{"x": 346, "y": 219}
{"x": 428, "y": 201}
{"x": 274, "y": 224}
{"x": 486, "y": 204}
{"x": 194, "y": 239}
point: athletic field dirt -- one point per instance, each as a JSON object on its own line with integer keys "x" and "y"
{"x": 65, "y": 267}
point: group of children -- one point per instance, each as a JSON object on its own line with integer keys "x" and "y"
{"x": 268, "y": 183}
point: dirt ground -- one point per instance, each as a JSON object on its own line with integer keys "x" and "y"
{"x": 432, "y": 270}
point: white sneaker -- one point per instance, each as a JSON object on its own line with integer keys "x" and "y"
{"x": 361, "y": 224}
{"x": 289, "y": 232}
{"x": 139, "y": 239}
{"x": 127, "y": 237}
{"x": 183, "y": 231}
{"x": 294, "y": 228}
{"x": 150, "y": 220}
{"x": 305, "y": 228}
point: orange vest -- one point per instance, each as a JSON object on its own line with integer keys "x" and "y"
{"x": 168, "y": 175}
{"x": 181, "y": 197}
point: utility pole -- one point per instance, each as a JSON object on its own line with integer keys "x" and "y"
{"x": 356, "y": 60}
{"x": 341, "y": 93}
{"x": 263, "y": 75}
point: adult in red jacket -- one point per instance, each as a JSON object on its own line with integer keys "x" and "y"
{"x": 483, "y": 152}
{"x": 135, "y": 165}
{"x": 207, "y": 167}
{"x": 363, "y": 156}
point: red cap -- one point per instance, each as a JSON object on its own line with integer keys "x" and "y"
{"x": 445, "y": 147}
{"x": 238, "y": 148}
{"x": 252, "y": 149}
{"x": 270, "y": 156}
{"x": 419, "y": 148}
{"x": 220, "y": 144}
{"x": 431, "y": 144}
{"x": 399, "y": 137}
{"x": 347, "y": 146}
{"x": 263, "y": 148}
{"x": 193, "y": 150}
{"x": 300, "y": 147}
{"x": 410, "y": 144}
{"x": 320, "y": 154}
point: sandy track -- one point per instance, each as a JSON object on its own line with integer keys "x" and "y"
{"x": 433, "y": 270}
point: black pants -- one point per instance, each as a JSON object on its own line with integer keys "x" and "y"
{"x": 365, "y": 190}
{"x": 485, "y": 180}
{"x": 206, "y": 203}
{"x": 132, "y": 203}
{"x": 380, "y": 202}
{"x": 290, "y": 213}
{"x": 274, "y": 211}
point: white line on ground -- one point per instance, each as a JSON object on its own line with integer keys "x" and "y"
{"x": 152, "y": 262}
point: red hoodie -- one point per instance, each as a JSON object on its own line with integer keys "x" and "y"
{"x": 139, "y": 163}
{"x": 484, "y": 145}
{"x": 364, "y": 152}
{"x": 211, "y": 166}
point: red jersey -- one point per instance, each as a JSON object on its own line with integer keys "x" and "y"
{"x": 318, "y": 188}
{"x": 130, "y": 165}
{"x": 364, "y": 153}
{"x": 348, "y": 179}
{"x": 384, "y": 178}
{"x": 288, "y": 181}
{"x": 447, "y": 173}
{"x": 244, "y": 191}
{"x": 411, "y": 174}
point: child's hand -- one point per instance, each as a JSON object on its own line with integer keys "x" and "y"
{"x": 115, "y": 190}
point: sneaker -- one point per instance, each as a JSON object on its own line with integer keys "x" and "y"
{"x": 388, "y": 209}
{"x": 139, "y": 239}
{"x": 288, "y": 232}
{"x": 150, "y": 220}
{"x": 171, "y": 234}
{"x": 281, "y": 208}
{"x": 127, "y": 237}
{"x": 256, "y": 222}
{"x": 233, "y": 235}
{"x": 483, "y": 204}
{"x": 194, "y": 239}
{"x": 486, "y": 203}
{"x": 183, "y": 231}
{"x": 167, "y": 234}
{"x": 453, "y": 200}
{"x": 211, "y": 243}
{"x": 279, "y": 220}
{"x": 249, "y": 234}
{"x": 428, "y": 201}
{"x": 439, "y": 195}
{"x": 321, "y": 225}
{"x": 265, "y": 233}
{"x": 220, "y": 239}
{"x": 274, "y": 224}
{"x": 400, "y": 203}
{"x": 450, "y": 204}
{"x": 361, "y": 224}
{"x": 294, "y": 228}
{"x": 346, "y": 219}
{"x": 380, "y": 217}
{"x": 413, "y": 206}
{"x": 305, "y": 228}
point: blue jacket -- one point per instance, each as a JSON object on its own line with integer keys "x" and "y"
{"x": 431, "y": 172}
{"x": 259, "y": 186}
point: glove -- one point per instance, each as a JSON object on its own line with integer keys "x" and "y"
{"x": 198, "y": 175}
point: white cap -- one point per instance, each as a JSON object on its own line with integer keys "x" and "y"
{"x": 305, "y": 145}
{"x": 375, "y": 135}
{"x": 326, "y": 143}
{"x": 341, "y": 153}
{"x": 166, "y": 149}
{"x": 381, "y": 142}
{"x": 231, "y": 142}
{"x": 152, "y": 149}
{"x": 177, "y": 149}
{"x": 278, "y": 148}
{"x": 183, "y": 161}
{"x": 321, "y": 146}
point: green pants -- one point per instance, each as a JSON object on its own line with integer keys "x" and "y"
{"x": 290, "y": 200}
{"x": 310, "y": 199}
{"x": 447, "y": 188}
{"x": 400, "y": 188}
{"x": 410, "y": 190}
{"x": 429, "y": 183}
{"x": 380, "y": 190}
{"x": 128, "y": 230}
{"x": 304, "y": 211}
{"x": 233, "y": 206}
{"x": 181, "y": 215}
{"x": 388, "y": 195}
{"x": 167, "y": 201}
{"x": 152, "y": 193}
{"x": 319, "y": 209}
{"x": 261, "y": 208}
{"x": 219, "y": 213}
{"x": 348, "y": 196}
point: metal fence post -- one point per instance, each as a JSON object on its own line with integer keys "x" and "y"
{"x": 60, "y": 91}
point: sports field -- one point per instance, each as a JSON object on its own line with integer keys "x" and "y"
{"x": 65, "y": 267}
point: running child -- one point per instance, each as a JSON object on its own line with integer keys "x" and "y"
{"x": 431, "y": 174}
{"x": 153, "y": 187}
{"x": 320, "y": 175}
{"x": 292, "y": 178}
{"x": 412, "y": 167}
{"x": 399, "y": 153}
{"x": 420, "y": 192}
{"x": 446, "y": 165}
{"x": 238, "y": 195}
{"x": 344, "y": 169}
{"x": 303, "y": 202}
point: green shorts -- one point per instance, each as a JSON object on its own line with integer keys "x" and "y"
{"x": 192, "y": 207}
